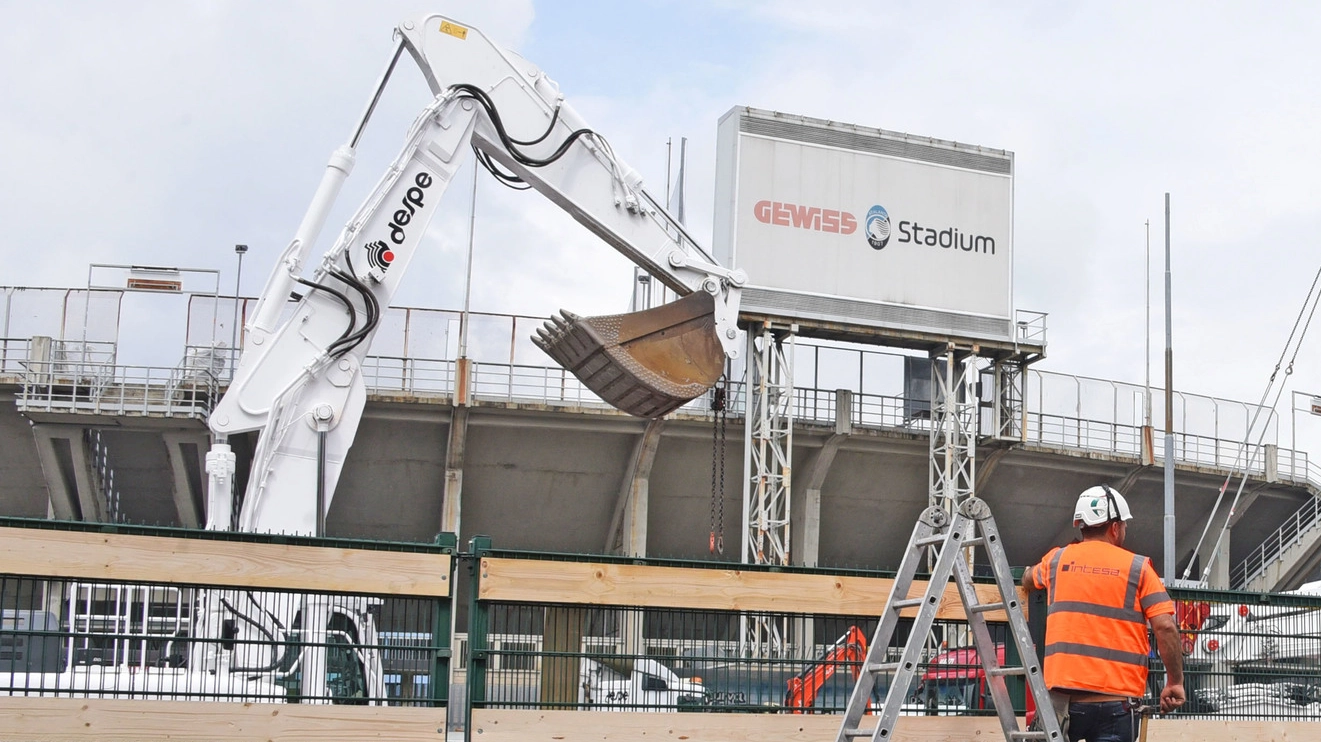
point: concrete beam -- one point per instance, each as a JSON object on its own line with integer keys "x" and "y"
{"x": 67, "y": 466}
{"x": 1245, "y": 502}
{"x": 628, "y": 526}
{"x": 1069, "y": 532}
{"x": 1130, "y": 479}
{"x": 986, "y": 465}
{"x": 187, "y": 451}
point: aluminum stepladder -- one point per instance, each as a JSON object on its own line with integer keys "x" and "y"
{"x": 948, "y": 537}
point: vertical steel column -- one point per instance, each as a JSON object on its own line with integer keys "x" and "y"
{"x": 768, "y": 457}
{"x": 953, "y": 428}
{"x": 1007, "y": 411}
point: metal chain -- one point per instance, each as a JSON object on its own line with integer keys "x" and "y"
{"x": 723, "y": 415}
{"x": 716, "y": 545}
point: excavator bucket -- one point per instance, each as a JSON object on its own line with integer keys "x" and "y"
{"x": 645, "y": 363}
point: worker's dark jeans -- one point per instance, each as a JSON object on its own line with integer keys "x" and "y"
{"x": 1111, "y": 721}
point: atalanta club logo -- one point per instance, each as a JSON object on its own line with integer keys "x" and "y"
{"x": 877, "y": 227}
{"x": 379, "y": 255}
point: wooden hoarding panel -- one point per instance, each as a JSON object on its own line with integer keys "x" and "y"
{"x": 120, "y": 557}
{"x": 52, "y": 719}
{"x": 710, "y": 589}
{"x": 495, "y": 725}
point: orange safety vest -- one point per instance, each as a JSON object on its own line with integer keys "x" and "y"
{"x": 1100, "y": 599}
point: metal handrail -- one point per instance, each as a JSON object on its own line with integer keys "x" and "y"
{"x": 116, "y": 390}
{"x": 1030, "y": 327}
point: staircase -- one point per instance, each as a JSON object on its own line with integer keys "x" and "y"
{"x": 1291, "y": 551}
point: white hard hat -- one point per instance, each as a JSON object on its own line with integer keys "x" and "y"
{"x": 1099, "y": 505}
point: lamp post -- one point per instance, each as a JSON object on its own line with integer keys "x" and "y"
{"x": 234, "y": 326}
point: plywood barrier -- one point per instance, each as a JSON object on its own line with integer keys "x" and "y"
{"x": 495, "y": 725}
{"x": 710, "y": 589}
{"x": 70, "y": 719}
{"x": 121, "y": 557}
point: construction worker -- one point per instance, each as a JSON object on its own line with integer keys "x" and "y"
{"x": 1100, "y": 599}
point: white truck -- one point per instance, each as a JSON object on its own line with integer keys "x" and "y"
{"x": 1260, "y": 659}
{"x": 637, "y": 685}
{"x": 299, "y": 382}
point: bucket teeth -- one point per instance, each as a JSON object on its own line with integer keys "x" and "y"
{"x": 646, "y": 363}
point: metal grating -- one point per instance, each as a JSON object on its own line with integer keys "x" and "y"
{"x": 835, "y": 136}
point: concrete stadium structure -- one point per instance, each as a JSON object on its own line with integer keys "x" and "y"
{"x": 537, "y": 463}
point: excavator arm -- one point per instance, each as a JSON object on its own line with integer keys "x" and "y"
{"x": 647, "y": 363}
{"x": 849, "y": 650}
{"x": 299, "y": 381}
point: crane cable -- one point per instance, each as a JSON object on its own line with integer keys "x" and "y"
{"x": 1305, "y": 315}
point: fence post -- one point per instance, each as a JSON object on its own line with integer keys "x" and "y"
{"x": 442, "y": 634}
{"x": 478, "y": 653}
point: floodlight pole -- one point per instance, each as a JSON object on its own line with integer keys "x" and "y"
{"x": 1169, "y": 554}
{"x": 234, "y": 325}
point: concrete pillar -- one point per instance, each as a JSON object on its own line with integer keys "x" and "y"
{"x": 809, "y": 553}
{"x": 67, "y": 466}
{"x": 817, "y": 469}
{"x": 628, "y": 527}
{"x": 187, "y": 451}
{"x": 452, "y": 502}
{"x": 1219, "y": 577}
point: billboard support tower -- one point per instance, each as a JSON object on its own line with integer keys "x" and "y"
{"x": 1009, "y": 377}
{"x": 954, "y": 401}
{"x": 768, "y": 457}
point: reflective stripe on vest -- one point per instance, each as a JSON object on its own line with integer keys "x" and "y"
{"x": 1134, "y": 576}
{"x": 1100, "y": 653}
{"x": 1092, "y": 609}
{"x": 1153, "y": 599}
{"x": 1055, "y": 573}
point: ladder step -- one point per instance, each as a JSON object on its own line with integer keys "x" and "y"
{"x": 1027, "y": 735}
{"x": 929, "y": 540}
{"x": 987, "y": 607}
{"x": 858, "y": 732}
{"x": 883, "y": 667}
{"x": 1001, "y": 671}
{"x": 899, "y": 605}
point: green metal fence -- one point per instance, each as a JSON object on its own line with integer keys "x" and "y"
{"x": 590, "y": 644}
{"x": 187, "y": 631}
{"x": 1251, "y": 655}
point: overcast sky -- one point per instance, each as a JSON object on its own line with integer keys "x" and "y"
{"x": 166, "y": 132}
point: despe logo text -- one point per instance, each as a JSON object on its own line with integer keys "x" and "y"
{"x": 379, "y": 254}
{"x": 411, "y": 202}
{"x": 877, "y": 228}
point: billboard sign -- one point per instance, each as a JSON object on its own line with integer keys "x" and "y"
{"x": 822, "y": 209}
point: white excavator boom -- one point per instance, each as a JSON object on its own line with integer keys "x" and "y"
{"x": 299, "y": 381}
